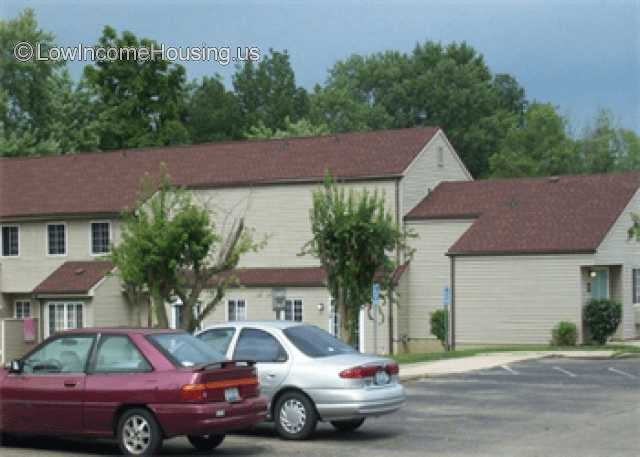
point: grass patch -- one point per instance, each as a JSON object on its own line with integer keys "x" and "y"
{"x": 431, "y": 356}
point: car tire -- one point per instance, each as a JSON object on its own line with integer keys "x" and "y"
{"x": 7, "y": 439}
{"x": 295, "y": 416}
{"x": 138, "y": 433}
{"x": 205, "y": 443}
{"x": 348, "y": 425}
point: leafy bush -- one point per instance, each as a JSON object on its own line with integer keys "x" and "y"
{"x": 602, "y": 318}
{"x": 439, "y": 323}
{"x": 564, "y": 334}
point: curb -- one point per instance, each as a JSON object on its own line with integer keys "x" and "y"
{"x": 584, "y": 356}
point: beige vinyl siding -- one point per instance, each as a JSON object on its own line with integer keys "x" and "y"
{"x": 516, "y": 299}
{"x": 12, "y": 337}
{"x": 259, "y": 307}
{"x": 401, "y": 314}
{"x": 259, "y": 304}
{"x": 108, "y": 307}
{"x": 383, "y": 332}
{"x": 23, "y": 273}
{"x": 427, "y": 275}
{"x": 279, "y": 213}
{"x": 6, "y": 307}
{"x": 426, "y": 173}
{"x": 617, "y": 249}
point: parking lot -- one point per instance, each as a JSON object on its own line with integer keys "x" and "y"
{"x": 548, "y": 407}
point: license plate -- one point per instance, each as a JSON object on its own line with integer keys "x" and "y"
{"x": 232, "y": 394}
{"x": 381, "y": 378}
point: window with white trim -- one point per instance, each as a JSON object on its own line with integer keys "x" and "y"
{"x": 440, "y": 156}
{"x": 57, "y": 239}
{"x": 64, "y": 316}
{"x": 636, "y": 285}
{"x": 236, "y": 310}
{"x": 100, "y": 237}
{"x": 10, "y": 240}
{"x": 292, "y": 310}
{"x": 23, "y": 309}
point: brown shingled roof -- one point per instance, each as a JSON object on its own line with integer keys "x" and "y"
{"x": 74, "y": 278}
{"x": 531, "y": 215}
{"x": 275, "y": 277}
{"x": 109, "y": 182}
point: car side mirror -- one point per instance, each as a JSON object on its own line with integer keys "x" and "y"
{"x": 15, "y": 366}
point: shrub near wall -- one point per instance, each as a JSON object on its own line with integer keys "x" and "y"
{"x": 564, "y": 334}
{"x": 602, "y": 318}
{"x": 439, "y": 323}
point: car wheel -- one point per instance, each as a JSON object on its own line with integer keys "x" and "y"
{"x": 348, "y": 425}
{"x": 7, "y": 439}
{"x": 295, "y": 416}
{"x": 139, "y": 433}
{"x": 205, "y": 443}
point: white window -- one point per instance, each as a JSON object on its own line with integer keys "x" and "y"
{"x": 441, "y": 156}
{"x": 64, "y": 316}
{"x": 23, "y": 309}
{"x": 100, "y": 238}
{"x": 636, "y": 286}
{"x": 236, "y": 310}
{"x": 292, "y": 310}
{"x": 57, "y": 239}
{"x": 10, "y": 240}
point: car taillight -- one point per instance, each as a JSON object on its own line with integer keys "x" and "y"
{"x": 359, "y": 372}
{"x": 193, "y": 392}
{"x": 392, "y": 368}
{"x": 214, "y": 390}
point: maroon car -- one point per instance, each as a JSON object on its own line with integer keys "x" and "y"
{"x": 139, "y": 385}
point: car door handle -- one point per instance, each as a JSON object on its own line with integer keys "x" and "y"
{"x": 270, "y": 376}
{"x": 70, "y": 383}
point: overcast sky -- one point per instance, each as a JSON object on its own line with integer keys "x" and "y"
{"x": 580, "y": 55}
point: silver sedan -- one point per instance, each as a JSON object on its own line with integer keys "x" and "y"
{"x": 310, "y": 376}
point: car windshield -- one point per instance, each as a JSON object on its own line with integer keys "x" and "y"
{"x": 186, "y": 350}
{"x": 315, "y": 342}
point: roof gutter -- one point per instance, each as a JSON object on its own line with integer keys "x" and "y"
{"x": 517, "y": 253}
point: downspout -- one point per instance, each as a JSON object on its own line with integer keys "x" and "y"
{"x": 398, "y": 260}
{"x": 452, "y": 307}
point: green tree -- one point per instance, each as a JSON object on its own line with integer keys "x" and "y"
{"x": 511, "y": 96}
{"x": 539, "y": 147}
{"x": 76, "y": 123}
{"x": 213, "y": 112}
{"x": 170, "y": 247}
{"x": 25, "y": 85}
{"x": 356, "y": 239}
{"x": 267, "y": 92}
{"x": 292, "y": 129}
{"x": 605, "y": 147}
{"x": 449, "y": 86}
{"x": 141, "y": 102}
{"x": 41, "y": 110}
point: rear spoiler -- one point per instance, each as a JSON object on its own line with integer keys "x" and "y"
{"x": 227, "y": 364}
{"x": 238, "y": 363}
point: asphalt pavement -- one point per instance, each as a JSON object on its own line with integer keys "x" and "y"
{"x": 547, "y": 407}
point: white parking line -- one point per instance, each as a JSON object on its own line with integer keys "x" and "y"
{"x": 623, "y": 373}
{"x": 567, "y": 372}
{"x": 509, "y": 369}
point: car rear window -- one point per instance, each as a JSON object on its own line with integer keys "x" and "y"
{"x": 315, "y": 342}
{"x": 185, "y": 350}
